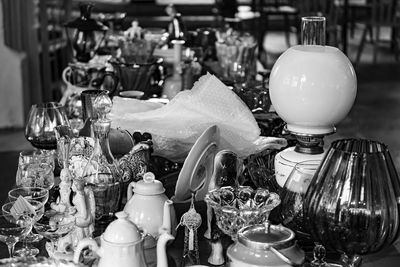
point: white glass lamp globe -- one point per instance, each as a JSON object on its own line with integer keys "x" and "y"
{"x": 312, "y": 88}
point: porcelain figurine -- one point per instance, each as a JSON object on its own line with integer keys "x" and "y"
{"x": 84, "y": 213}
{"x": 122, "y": 245}
{"x": 63, "y": 203}
{"x": 84, "y": 204}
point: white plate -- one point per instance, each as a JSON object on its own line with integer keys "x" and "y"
{"x": 131, "y": 94}
{"x": 198, "y": 166}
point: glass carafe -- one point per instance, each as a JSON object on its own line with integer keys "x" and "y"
{"x": 352, "y": 203}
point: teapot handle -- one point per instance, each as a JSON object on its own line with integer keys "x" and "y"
{"x": 86, "y": 242}
{"x": 130, "y": 190}
{"x": 65, "y": 73}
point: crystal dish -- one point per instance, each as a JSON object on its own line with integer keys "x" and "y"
{"x": 237, "y": 207}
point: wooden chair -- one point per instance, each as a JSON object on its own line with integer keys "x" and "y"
{"x": 382, "y": 14}
{"x": 270, "y": 10}
{"x": 284, "y": 9}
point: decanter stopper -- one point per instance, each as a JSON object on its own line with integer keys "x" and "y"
{"x": 319, "y": 256}
{"x": 192, "y": 221}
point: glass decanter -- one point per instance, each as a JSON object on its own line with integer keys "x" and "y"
{"x": 103, "y": 173}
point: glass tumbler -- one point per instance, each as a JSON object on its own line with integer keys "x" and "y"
{"x": 292, "y": 197}
{"x": 35, "y": 169}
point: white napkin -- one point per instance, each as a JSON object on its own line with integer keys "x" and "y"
{"x": 176, "y": 126}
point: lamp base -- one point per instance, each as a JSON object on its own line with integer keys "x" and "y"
{"x": 287, "y": 159}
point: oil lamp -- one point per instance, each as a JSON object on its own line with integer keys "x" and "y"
{"x": 81, "y": 33}
{"x": 312, "y": 88}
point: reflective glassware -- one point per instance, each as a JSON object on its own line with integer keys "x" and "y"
{"x": 30, "y": 193}
{"x": 54, "y": 225}
{"x": 352, "y": 204}
{"x": 16, "y": 223}
{"x": 236, "y": 207}
{"x": 292, "y": 197}
{"x": 103, "y": 172}
{"x": 12, "y": 230}
{"x": 42, "y": 120}
{"x": 35, "y": 169}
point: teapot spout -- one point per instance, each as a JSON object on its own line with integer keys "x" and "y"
{"x": 162, "y": 260}
{"x": 169, "y": 219}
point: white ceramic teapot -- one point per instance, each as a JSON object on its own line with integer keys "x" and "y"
{"x": 122, "y": 245}
{"x": 150, "y": 209}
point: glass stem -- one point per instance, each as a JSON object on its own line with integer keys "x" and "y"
{"x": 351, "y": 261}
{"x": 11, "y": 249}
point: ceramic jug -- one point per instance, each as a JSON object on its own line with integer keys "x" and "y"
{"x": 122, "y": 245}
{"x": 150, "y": 209}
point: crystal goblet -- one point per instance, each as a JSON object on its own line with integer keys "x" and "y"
{"x": 30, "y": 193}
{"x": 42, "y": 120}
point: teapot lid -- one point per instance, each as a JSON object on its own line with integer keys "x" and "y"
{"x": 149, "y": 185}
{"x": 265, "y": 236}
{"x": 122, "y": 230}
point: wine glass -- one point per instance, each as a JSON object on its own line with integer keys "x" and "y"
{"x": 292, "y": 197}
{"x": 351, "y": 204}
{"x": 16, "y": 224}
{"x": 54, "y": 225}
{"x": 30, "y": 193}
{"x": 42, "y": 119}
{"x": 35, "y": 169}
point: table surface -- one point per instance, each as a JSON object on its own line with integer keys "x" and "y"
{"x": 389, "y": 257}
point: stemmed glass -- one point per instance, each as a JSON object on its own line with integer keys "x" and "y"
{"x": 54, "y": 225}
{"x": 35, "y": 169}
{"x": 13, "y": 229}
{"x": 30, "y": 193}
{"x": 42, "y": 120}
{"x": 16, "y": 224}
